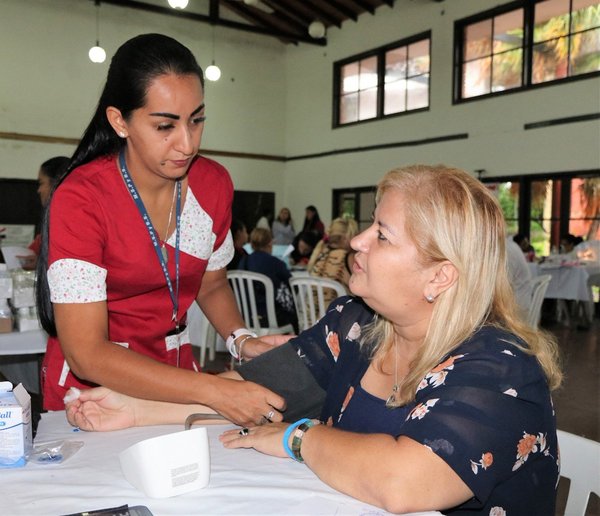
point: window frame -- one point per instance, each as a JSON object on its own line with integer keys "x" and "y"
{"x": 379, "y": 53}
{"x": 528, "y": 7}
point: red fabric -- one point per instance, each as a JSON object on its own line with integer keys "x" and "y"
{"x": 36, "y": 244}
{"x": 94, "y": 219}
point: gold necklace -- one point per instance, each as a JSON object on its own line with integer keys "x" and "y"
{"x": 163, "y": 249}
{"x": 391, "y": 401}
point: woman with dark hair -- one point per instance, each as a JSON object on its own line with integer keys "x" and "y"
{"x": 313, "y": 223}
{"x": 49, "y": 174}
{"x": 136, "y": 231}
{"x": 239, "y": 234}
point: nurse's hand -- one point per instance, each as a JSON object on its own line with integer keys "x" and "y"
{"x": 254, "y": 347}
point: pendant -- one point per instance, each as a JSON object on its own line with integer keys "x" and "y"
{"x": 391, "y": 401}
{"x": 165, "y": 255}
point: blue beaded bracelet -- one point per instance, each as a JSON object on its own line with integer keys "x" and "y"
{"x": 287, "y": 435}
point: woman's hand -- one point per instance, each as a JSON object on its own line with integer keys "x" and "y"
{"x": 266, "y": 439}
{"x": 255, "y": 347}
{"x": 101, "y": 410}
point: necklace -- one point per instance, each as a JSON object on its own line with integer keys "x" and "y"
{"x": 391, "y": 401}
{"x": 163, "y": 250}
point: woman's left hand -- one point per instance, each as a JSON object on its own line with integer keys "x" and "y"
{"x": 255, "y": 347}
{"x": 265, "y": 439}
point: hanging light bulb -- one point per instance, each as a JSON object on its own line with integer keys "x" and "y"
{"x": 316, "y": 29}
{"x": 97, "y": 53}
{"x": 213, "y": 72}
{"x": 178, "y": 4}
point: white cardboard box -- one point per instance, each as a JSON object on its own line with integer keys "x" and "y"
{"x": 15, "y": 425}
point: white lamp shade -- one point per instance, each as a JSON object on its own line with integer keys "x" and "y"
{"x": 213, "y": 72}
{"x": 97, "y": 54}
{"x": 178, "y": 4}
{"x": 316, "y": 30}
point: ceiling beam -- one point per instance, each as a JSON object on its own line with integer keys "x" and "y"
{"x": 216, "y": 20}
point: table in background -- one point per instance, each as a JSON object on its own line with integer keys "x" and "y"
{"x": 242, "y": 482}
{"x": 20, "y": 353}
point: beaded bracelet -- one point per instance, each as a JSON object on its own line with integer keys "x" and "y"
{"x": 297, "y": 440}
{"x": 288, "y": 433}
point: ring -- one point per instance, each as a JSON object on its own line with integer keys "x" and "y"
{"x": 269, "y": 416}
{"x": 244, "y": 431}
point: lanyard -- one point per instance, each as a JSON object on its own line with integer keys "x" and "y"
{"x": 142, "y": 209}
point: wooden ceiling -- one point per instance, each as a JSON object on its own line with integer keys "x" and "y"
{"x": 286, "y": 20}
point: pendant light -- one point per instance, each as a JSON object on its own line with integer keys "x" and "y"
{"x": 178, "y": 4}
{"x": 97, "y": 53}
{"x": 213, "y": 72}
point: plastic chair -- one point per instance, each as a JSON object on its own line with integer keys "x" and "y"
{"x": 244, "y": 285}
{"x": 539, "y": 285}
{"x": 308, "y": 292}
{"x": 202, "y": 333}
{"x": 580, "y": 463}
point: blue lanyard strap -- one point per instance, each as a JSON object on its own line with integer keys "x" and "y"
{"x": 148, "y": 223}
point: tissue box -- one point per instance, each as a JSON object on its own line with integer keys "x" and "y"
{"x": 15, "y": 425}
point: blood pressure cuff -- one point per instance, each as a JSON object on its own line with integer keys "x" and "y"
{"x": 283, "y": 371}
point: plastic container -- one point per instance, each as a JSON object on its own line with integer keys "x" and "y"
{"x": 6, "y": 283}
{"x": 6, "y": 317}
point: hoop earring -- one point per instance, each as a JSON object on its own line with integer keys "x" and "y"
{"x": 429, "y": 298}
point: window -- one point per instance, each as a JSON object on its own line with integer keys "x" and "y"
{"x": 383, "y": 82}
{"x": 355, "y": 203}
{"x": 526, "y": 43}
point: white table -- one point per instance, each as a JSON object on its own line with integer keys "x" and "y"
{"x": 19, "y": 356}
{"x": 242, "y": 482}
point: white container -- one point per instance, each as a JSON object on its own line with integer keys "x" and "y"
{"x": 6, "y": 283}
{"x": 15, "y": 425}
{"x": 23, "y": 289}
{"x": 27, "y": 319}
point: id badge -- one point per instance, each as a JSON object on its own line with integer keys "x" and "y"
{"x": 175, "y": 338}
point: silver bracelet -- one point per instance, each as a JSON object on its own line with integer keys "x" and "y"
{"x": 241, "y": 344}
{"x": 230, "y": 342}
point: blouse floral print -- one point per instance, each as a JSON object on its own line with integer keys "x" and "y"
{"x": 485, "y": 410}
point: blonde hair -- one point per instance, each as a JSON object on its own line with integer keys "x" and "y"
{"x": 260, "y": 238}
{"x": 339, "y": 233}
{"x": 451, "y": 216}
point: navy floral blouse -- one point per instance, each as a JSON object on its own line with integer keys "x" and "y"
{"x": 485, "y": 410}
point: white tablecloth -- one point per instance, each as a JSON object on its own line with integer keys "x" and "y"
{"x": 242, "y": 482}
{"x": 568, "y": 282}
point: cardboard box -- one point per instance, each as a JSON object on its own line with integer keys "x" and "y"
{"x": 15, "y": 425}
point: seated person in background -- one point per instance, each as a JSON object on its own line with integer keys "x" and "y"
{"x": 304, "y": 244}
{"x": 48, "y": 175}
{"x": 333, "y": 257}
{"x": 265, "y": 219}
{"x": 283, "y": 228}
{"x": 528, "y": 250}
{"x": 519, "y": 275}
{"x": 437, "y": 393}
{"x": 240, "y": 238}
{"x": 568, "y": 243}
{"x": 261, "y": 260}
{"x": 313, "y": 223}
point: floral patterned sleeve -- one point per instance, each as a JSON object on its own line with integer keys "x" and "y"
{"x": 487, "y": 412}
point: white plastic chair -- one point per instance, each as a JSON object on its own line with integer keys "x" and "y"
{"x": 580, "y": 463}
{"x": 539, "y": 285}
{"x": 244, "y": 284}
{"x": 309, "y": 298}
{"x": 202, "y": 333}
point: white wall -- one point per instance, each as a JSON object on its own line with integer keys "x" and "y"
{"x": 49, "y": 87}
{"x": 276, "y": 99}
{"x": 497, "y": 141}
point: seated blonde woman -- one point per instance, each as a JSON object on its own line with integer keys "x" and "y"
{"x": 436, "y": 392}
{"x": 333, "y": 256}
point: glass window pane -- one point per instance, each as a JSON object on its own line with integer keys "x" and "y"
{"x": 585, "y": 52}
{"x": 394, "y": 97}
{"x": 508, "y": 198}
{"x": 418, "y": 92}
{"x": 508, "y": 31}
{"x": 584, "y": 219}
{"x": 478, "y": 40}
{"x": 418, "y": 58}
{"x": 395, "y": 64}
{"x": 368, "y": 73}
{"x": 349, "y": 108}
{"x": 550, "y": 60}
{"x": 476, "y": 77}
{"x": 506, "y": 70}
{"x": 349, "y": 78}
{"x": 367, "y": 104}
{"x": 551, "y": 20}
{"x": 585, "y": 15}
{"x": 542, "y": 224}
